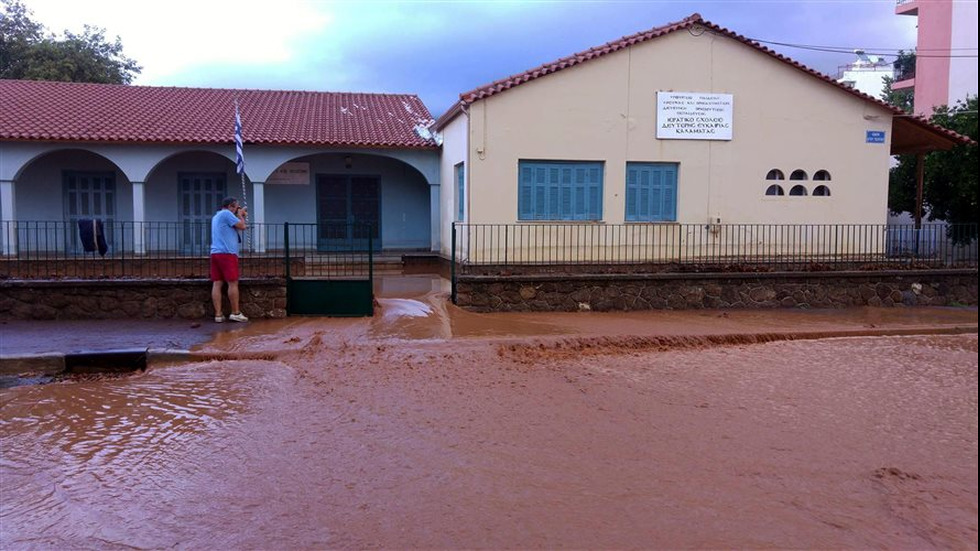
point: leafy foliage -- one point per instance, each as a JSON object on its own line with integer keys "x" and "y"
{"x": 904, "y": 68}
{"x": 29, "y": 52}
{"x": 899, "y": 98}
{"x": 904, "y": 65}
{"x": 950, "y": 183}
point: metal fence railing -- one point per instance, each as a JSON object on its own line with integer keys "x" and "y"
{"x": 554, "y": 247}
{"x": 178, "y": 250}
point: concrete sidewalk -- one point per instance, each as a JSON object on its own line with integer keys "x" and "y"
{"x": 42, "y": 346}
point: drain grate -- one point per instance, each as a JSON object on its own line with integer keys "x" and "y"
{"x": 106, "y": 361}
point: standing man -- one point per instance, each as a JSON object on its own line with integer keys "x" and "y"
{"x": 225, "y": 241}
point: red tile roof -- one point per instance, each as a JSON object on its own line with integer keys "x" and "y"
{"x": 62, "y": 111}
{"x": 694, "y": 23}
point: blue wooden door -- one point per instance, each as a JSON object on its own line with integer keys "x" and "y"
{"x": 348, "y": 212}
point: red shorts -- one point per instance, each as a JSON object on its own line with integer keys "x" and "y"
{"x": 224, "y": 267}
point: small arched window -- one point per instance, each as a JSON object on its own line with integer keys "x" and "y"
{"x": 821, "y": 191}
{"x": 822, "y": 175}
{"x": 798, "y": 174}
{"x": 797, "y": 190}
{"x": 775, "y": 189}
{"x": 775, "y": 174}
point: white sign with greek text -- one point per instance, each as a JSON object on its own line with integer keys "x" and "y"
{"x": 291, "y": 173}
{"x": 693, "y": 116}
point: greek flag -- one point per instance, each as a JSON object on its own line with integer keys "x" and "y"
{"x": 239, "y": 156}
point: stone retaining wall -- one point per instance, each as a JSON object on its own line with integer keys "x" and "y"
{"x": 133, "y": 299}
{"x": 544, "y": 293}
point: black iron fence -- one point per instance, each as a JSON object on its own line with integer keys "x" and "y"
{"x": 139, "y": 250}
{"x": 108, "y": 249}
{"x": 554, "y": 247}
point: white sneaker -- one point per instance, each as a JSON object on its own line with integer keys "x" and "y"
{"x": 238, "y": 317}
{"x": 219, "y": 319}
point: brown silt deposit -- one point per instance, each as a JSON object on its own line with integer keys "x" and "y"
{"x": 492, "y": 431}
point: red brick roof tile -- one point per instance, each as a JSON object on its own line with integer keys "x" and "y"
{"x": 62, "y": 111}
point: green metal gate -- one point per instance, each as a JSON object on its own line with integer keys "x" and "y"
{"x": 337, "y": 282}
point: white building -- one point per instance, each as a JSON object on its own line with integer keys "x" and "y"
{"x": 866, "y": 74}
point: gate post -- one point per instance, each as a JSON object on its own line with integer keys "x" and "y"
{"x": 371, "y": 260}
{"x": 452, "y": 264}
{"x": 285, "y": 244}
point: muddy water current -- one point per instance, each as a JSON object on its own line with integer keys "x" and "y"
{"x": 349, "y": 434}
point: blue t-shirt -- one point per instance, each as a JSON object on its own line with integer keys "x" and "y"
{"x": 224, "y": 236}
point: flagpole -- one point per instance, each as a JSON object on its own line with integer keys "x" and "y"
{"x": 240, "y": 162}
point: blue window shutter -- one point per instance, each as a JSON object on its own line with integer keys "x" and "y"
{"x": 654, "y": 192}
{"x": 554, "y": 193}
{"x": 670, "y": 193}
{"x": 559, "y": 190}
{"x": 566, "y": 203}
{"x": 655, "y": 184}
{"x": 460, "y": 188}
{"x": 632, "y": 192}
{"x": 631, "y": 198}
{"x": 540, "y": 202}
{"x": 525, "y": 199}
{"x": 595, "y": 202}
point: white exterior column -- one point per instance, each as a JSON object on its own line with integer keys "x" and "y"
{"x": 257, "y": 216}
{"x": 435, "y": 214}
{"x": 8, "y": 231}
{"x": 139, "y": 217}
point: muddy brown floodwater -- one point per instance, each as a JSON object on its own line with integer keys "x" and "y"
{"x": 385, "y": 433}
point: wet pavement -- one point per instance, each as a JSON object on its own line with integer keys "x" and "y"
{"x": 430, "y": 427}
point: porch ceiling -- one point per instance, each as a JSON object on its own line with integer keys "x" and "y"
{"x": 914, "y": 135}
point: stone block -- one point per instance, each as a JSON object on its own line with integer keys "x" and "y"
{"x": 527, "y": 292}
{"x": 191, "y": 310}
{"x": 714, "y": 302}
{"x": 277, "y": 313}
{"x": 882, "y": 290}
{"x": 761, "y": 294}
{"x": 42, "y": 312}
{"x": 676, "y": 302}
{"x": 866, "y": 293}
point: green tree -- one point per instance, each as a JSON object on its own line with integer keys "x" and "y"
{"x": 904, "y": 68}
{"x": 18, "y": 32}
{"x": 950, "y": 183}
{"x": 899, "y": 98}
{"x": 28, "y": 51}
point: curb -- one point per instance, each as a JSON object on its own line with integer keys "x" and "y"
{"x": 32, "y": 364}
{"x": 53, "y": 363}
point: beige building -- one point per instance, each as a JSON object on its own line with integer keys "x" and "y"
{"x": 666, "y": 139}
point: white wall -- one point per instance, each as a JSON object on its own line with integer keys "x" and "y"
{"x": 454, "y": 151}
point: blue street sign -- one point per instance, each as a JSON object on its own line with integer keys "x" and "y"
{"x": 875, "y": 136}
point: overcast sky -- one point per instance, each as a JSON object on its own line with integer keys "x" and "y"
{"x": 434, "y": 49}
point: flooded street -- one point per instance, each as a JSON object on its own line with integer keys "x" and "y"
{"x": 422, "y": 429}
